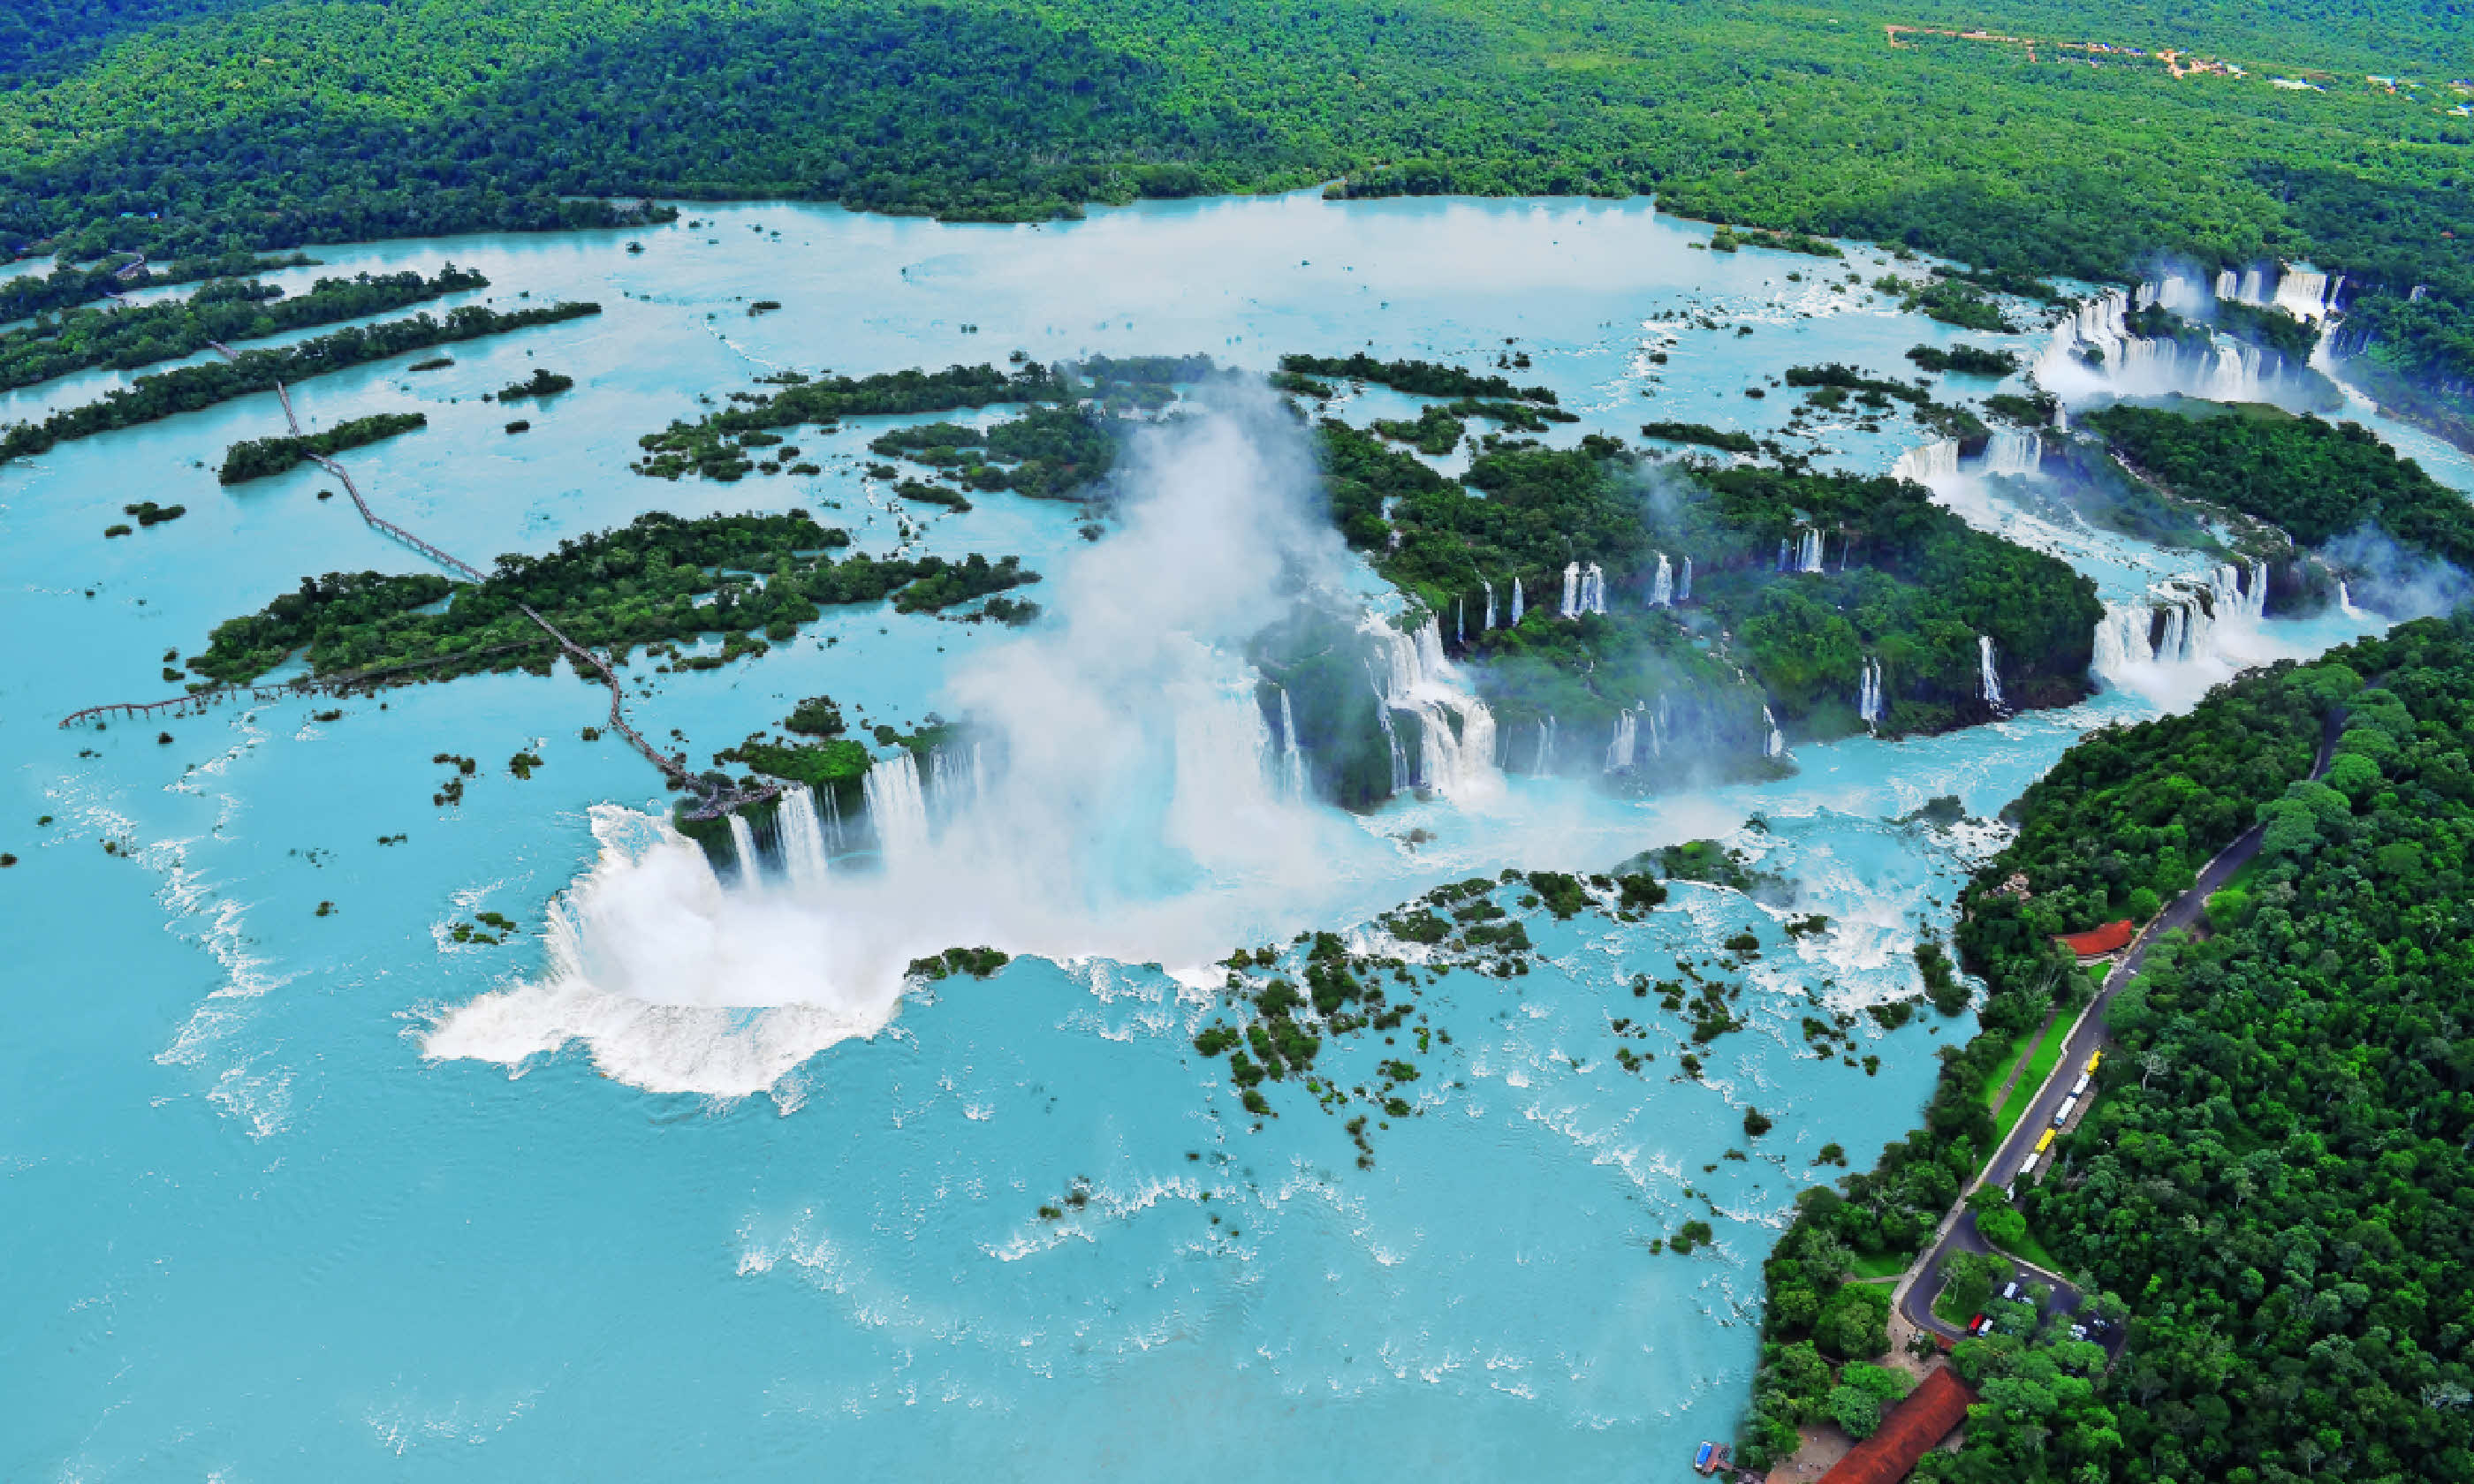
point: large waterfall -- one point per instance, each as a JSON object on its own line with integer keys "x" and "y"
{"x": 1542, "y": 761}
{"x": 1455, "y": 729}
{"x": 1868, "y": 694}
{"x": 1489, "y": 601}
{"x": 1661, "y": 587}
{"x": 2013, "y": 451}
{"x": 896, "y": 806}
{"x": 803, "y": 852}
{"x": 1775, "y": 744}
{"x": 1515, "y": 602}
{"x": 1627, "y": 736}
{"x": 1987, "y": 672}
{"x": 2093, "y": 350}
{"x": 2200, "y": 620}
{"x": 742, "y": 846}
{"x": 1684, "y": 587}
{"x": 1931, "y": 462}
{"x": 1808, "y": 550}
{"x": 1570, "y": 606}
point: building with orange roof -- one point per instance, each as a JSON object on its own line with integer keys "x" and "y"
{"x": 1910, "y": 1430}
{"x": 2099, "y": 942}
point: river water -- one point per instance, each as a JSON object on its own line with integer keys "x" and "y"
{"x": 677, "y": 1182}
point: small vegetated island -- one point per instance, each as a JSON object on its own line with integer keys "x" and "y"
{"x": 259, "y": 458}
{"x": 2271, "y": 1183}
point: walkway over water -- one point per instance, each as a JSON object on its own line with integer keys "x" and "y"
{"x": 711, "y": 801}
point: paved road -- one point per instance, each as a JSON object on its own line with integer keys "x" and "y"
{"x": 1960, "y": 1234}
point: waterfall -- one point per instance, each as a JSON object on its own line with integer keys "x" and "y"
{"x": 743, "y": 843}
{"x": 1489, "y": 601}
{"x": 1933, "y": 461}
{"x": 1293, "y": 757}
{"x": 1543, "y": 765}
{"x": 1570, "y": 608}
{"x": 2221, "y": 369}
{"x": 1460, "y": 622}
{"x": 2345, "y": 600}
{"x": 1515, "y": 602}
{"x": 2181, "y": 621}
{"x": 1684, "y": 589}
{"x": 1868, "y": 694}
{"x": 956, "y": 778}
{"x": 2121, "y": 638}
{"x": 803, "y": 838}
{"x": 833, "y": 818}
{"x": 1620, "y": 747}
{"x": 2013, "y": 451}
{"x": 1390, "y": 734}
{"x": 1661, "y": 587}
{"x": 1455, "y": 729}
{"x": 1991, "y": 676}
{"x": 1593, "y": 590}
{"x": 896, "y": 806}
{"x": 1660, "y": 724}
{"x": 1775, "y": 744}
{"x": 2226, "y": 285}
{"x": 2302, "y": 295}
{"x": 1809, "y": 550}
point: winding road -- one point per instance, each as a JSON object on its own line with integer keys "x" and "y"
{"x": 1913, "y": 1297}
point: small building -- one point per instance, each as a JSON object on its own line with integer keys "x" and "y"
{"x": 1908, "y": 1433}
{"x": 2100, "y": 942}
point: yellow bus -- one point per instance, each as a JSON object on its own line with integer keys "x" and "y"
{"x": 2045, "y": 1142}
{"x": 2095, "y": 1057}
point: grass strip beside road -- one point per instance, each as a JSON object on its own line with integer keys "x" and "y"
{"x": 2030, "y": 1079}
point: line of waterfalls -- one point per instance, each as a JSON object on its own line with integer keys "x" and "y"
{"x": 2182, "y": 621}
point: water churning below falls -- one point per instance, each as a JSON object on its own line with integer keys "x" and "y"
{"x": 304, "y": 1195}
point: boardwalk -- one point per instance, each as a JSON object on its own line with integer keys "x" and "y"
{"x": 711, "y": 801}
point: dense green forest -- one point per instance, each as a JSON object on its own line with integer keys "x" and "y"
{"x": 2276, "y": 1176}
{"x": 641, "y": 584}
{"x": 2274, "y": 1180}
{"x": 434, "y": 115}
{"x": 188, "y": 388}
{"x": 225, "y": 309}
{"x": 2317, "y": 480}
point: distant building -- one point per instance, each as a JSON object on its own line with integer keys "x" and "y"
{"x": 1910, "y": 1430}
{"x": 2100, "y": 942}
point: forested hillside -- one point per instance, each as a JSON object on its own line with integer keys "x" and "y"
{"x": 2275, "y": 1176}
{"x": 436, "y": 115}
{"x": 2273, "y": 1180}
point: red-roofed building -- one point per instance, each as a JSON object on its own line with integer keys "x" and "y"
{"x": 1910, "y": 1430}
{"x": 2097, "y": 942}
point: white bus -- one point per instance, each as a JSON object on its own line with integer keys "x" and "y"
{"x": 2070, "y": 1106}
